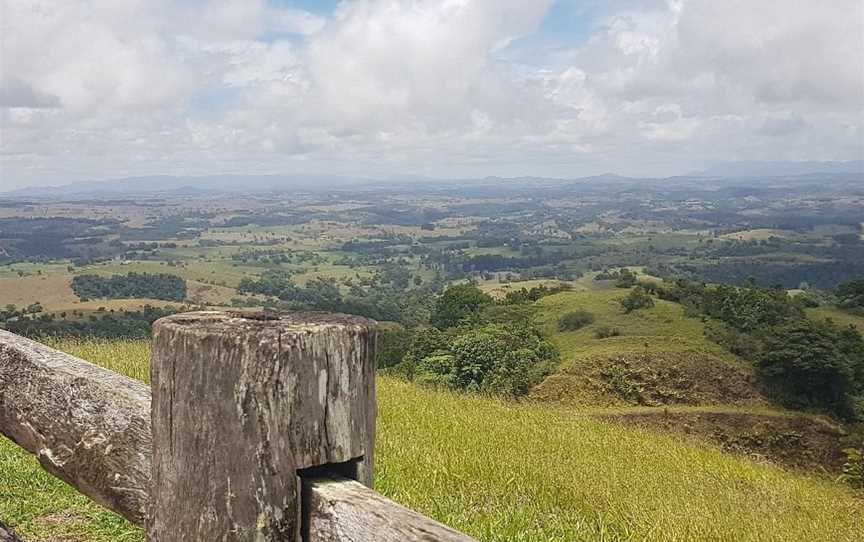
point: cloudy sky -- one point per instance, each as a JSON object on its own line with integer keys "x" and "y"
{"x": 110, "y": 88}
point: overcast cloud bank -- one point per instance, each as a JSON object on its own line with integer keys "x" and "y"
{"x": 111, "y": 88}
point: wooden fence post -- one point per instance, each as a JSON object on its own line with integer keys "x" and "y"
{"x": 241, "y": 403}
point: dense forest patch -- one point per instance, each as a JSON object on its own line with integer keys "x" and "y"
{"x": 133, "y": 285}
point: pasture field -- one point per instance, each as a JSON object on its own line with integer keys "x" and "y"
{"x": 505, "y": 471}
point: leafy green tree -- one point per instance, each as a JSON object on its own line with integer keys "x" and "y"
{"x": 851, "y": 294}
{"x": 393, "y": 344}
{"x": 425, "y": 342}
{"x": 626, "y": 279}
{"x": 456, "y": 303}
{"x": 574, "y": 320}
{"x": 749, "y": 309}
{"x": 500, "y": 359}
{"x": 813, "y": 364}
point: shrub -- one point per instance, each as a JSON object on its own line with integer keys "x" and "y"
{"x": 853, "y": 467}
{"x": 626, "y": 279}
{"x": 604, "y": 332}
{"x": 575, "y": 320}
{"x": 637, "y": 299}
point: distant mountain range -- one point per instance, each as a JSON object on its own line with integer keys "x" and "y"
{"x": 180, "y": 185}
{"x": 781, "y": 169}
{"x": 196, "y": 185}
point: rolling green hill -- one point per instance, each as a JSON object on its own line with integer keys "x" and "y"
{"x": 660, "y": 356}
{"x": 509, "y": 472}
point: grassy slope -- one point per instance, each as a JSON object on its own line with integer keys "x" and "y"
{"x": 840, "y": 317}
{"x": 510, "y": 472}
{"x": 664, "y": 327}
{"x": 659, "y": 340}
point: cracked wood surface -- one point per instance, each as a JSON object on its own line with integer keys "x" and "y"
{"x": 341, "y": 510}
{"x": 241, "y": 401}
{"x": 87, "y": 425}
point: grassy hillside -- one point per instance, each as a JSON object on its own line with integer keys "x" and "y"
{"x": 510, "y": 472}
{"x": 660, "y": 357}
{"x": 840, "y": 317}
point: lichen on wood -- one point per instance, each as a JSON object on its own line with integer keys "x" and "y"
{"x": 242, "y": 402}
{"x": 88, "y": 426}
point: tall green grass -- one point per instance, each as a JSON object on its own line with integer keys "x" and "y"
{"x": 662, "y": 328}
{"x": 511, "y": 472}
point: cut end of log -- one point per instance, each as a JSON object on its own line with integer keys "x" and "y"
{"x": 258, "y": 320}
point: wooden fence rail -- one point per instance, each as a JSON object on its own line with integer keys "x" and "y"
{"x": 260, "y": 427}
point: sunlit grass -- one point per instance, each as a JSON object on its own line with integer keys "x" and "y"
{"x": 509, "y": 472}
{"x": 131, "y": 358}
{"x": 662, "y": 328}
{"x": 840, "y": 317}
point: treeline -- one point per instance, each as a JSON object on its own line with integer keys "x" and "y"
{"x": 133, "y": 285}
{"x": 825, "y": 275}
{"x": 125, "y": 325}
{"x": 802, "y": 363}
{"x": 385, "y": 297}
{"x": 52, "y": 238}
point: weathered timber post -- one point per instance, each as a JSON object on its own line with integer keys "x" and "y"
{"x": 88, "y": 426}
{"x": 241, "y": 403}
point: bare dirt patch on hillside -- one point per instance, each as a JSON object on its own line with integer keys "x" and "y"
{"x": 652, "y": 379}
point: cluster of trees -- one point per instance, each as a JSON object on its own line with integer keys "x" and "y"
{"x": 524, "y": 295}
{"x": 133, "y": 285}
{"x": 277, "y": 256}
{"x": 52, "y": 238}
{"x": 804, "y": 363}
{"x": 387, "y": 297}
{"x": 474, "y": 344}
{"x": 125, "y": 324}
{"x": 638, "y": 298}
{"x": 850, "y": 295}
{"x": 845, "y": 267}
{"x": 624, "y": 278}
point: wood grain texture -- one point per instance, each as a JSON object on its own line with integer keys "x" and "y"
{"x": 341, "y": 510}
{"x": 241, "y": 401}
{"x": 88, "y": 426}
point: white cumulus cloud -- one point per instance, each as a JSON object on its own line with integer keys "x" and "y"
{"x": 100, "y": 88}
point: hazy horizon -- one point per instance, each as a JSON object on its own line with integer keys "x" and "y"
{"x": 442, "y": 89}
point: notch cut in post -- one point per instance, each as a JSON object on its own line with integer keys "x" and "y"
{"x": 345, "y": 471}
{"x": 241, "y": 403}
